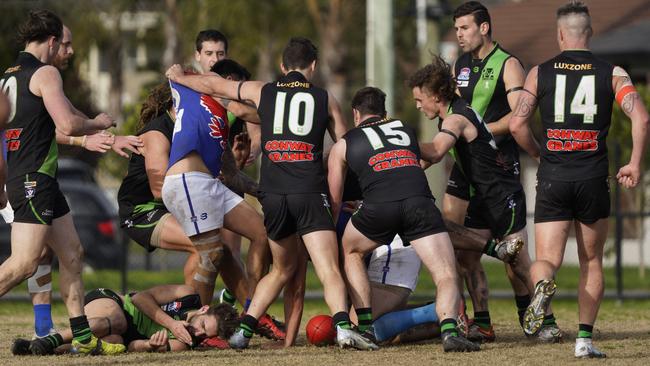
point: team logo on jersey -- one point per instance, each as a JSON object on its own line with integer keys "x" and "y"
{"x": 464, "y": 74}
{"x": 172, "y": 306}
{"x": 487, "y": 74}
{"x": 218, "y": 127}
{"x": 30, "y": 189}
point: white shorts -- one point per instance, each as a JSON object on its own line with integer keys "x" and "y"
{"x": 395, "y": 265}
{"x": 198, "y": 201}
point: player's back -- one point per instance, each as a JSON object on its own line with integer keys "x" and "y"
{"x": 30, "y": 137}
{"x": 295, "y": 117}
{"x": 385, "y": 155}
{"x": 575, "y": 96}
{"x": 201, "y": 126}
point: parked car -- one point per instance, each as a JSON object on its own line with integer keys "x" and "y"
{"x": 95, "y": 217}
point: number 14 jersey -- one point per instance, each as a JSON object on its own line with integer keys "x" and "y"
{"x": 294, "y": 115}
{"x": 575, "y": 95}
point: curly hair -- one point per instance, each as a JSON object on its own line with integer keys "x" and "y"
{"x": 157, "y": 102}
{"x": 435, "y": 79}
{"x": 228, "y": 319}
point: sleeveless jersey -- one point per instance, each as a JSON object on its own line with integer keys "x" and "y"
{"x": 176, "y": 309}
{"x": 201, "y": 126}
{"x": 294, "y": 116}
{"x": 385, "y": 155}
{"x": 480, "y": 83}
{"x": 575, "y": 95}
{"x": 31, "y": 141}
{"x": 491, "y": 173}
{"x": 135, "y": 195}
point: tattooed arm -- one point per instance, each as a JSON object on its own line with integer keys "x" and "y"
{"x": 632, "y": 105}
{"x": 519, "y": 127}
{"x": 234, "y": 178}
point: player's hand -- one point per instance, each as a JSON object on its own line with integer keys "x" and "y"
{"x": 179, "y": 330}
{"x": 174, "y": 72}
{"x": 99, "y": 142}
{"x": 131, "y": 143}
{"x": 104, "y": 121}
{"x": 158, "y": 340}
{"x": 3, "y": 199}
{"x": 628, "y": 176}
{"x": 241, "y": 149}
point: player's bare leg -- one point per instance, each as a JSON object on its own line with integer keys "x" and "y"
{"x": 210, "y": 250}
{"x": 27, "y": 243}
{"x": 437, "y": 254}
{"x": 294, "y": 297}
{"x": 172, "y": 237}
{"x": 40, "y": 291}
{"x": 550, "y": 242}
{"x": 591, "y": 241}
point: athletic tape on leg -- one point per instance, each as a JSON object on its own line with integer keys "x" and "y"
{"x": 208, "y": 267}
{"x": 41, "y": 280}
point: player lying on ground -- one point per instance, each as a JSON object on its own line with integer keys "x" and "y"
{"x": 163, "y": 318}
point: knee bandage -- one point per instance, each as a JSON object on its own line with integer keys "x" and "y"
{"x": 41, "y": 280}
{"x": 210, "y": 255}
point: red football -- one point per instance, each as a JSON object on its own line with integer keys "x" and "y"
{"x": 320, "y": 330}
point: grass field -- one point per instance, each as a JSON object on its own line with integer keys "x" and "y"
{"x": 622, "y": 331}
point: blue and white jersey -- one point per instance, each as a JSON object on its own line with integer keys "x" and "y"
{"x": 201, "y": 125}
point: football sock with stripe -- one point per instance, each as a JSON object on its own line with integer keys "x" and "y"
{"x": 585, "y": 330}
{"x": 549, "y": 320}
{"x": 365, "y": 318}
{"x": 342, "y": 319}
{"x": 248, "y": 324}
{"x": 482, "y": 319}
{"x": 80, "y": 329}
{"x": 42, "y": 319}
{"x": 54, "y": 339}
{"x": 396, "y": 322}
{"x": 522, "y": 304}
{"x": 448, "y": 327}
{"x": 229, "y": 297}
{"x": 489, "y": 248}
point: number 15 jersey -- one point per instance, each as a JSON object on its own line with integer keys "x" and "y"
{"x": 294, "y": 115}
{"x": 575, "y": 95}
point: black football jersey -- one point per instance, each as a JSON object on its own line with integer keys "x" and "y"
{"x": 385, "y": 156}
{"x": 493, "y": 175}
{"x": 575, "y": 96}
{"x": 30, "y": 136}
{"x": 294, "y": 115}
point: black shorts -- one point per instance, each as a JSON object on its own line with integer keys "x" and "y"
{"x": 586, "y": 201}
{"x": 302, "y": 213}
{"x": 457, "y": 184}
{"x": 412, "y": 218}
{"x": 36, "y": 199}
{"x": 502, "y": 217}
{"x": 140, "y": 226}
{"x": 103, "y": 293}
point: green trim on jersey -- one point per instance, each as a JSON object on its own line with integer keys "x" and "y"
{"x": 50, "y": 165}
{"x": 487, "y": 82}
{"x": 31, "y": 206}
{"x": 231, "y": 118}
{"x": 148, "y": 206}
{"x": 143, "y": 324}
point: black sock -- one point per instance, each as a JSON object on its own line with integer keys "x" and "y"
{"x": 482, "y": 319}
{"x": 365, "y": 318}
{"x": 549, "y": 320}
{"x": 342, "y": 319}
{"x": 585, "y": 330}
{"x": 522, "y": 304}
{"x": 248, "y": 324}
{"x": 54, "y": 339}
{"x": 448, "y": 326}
{"x": 80, "y": 329}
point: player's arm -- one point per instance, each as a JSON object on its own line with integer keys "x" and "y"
{"x": 149, "y": 301}
{"x": 241, "y": 110}
{"x": 47, "y": 83}
{"x": 336, "y": 170}
{"x": 216, "y": 86}
{"x": 233, "y": 177}
{"x": 159, "y": 342}
{"x": 451, "y": 129}
{"x": 156, "y": 158}
{"x": 255, "y": 133}
{"x": 513, "y": 78}
{"x": 338, "y": 125}
{"x": 98, "y": 142}
{"x": 524, "y": 110}
{"x": 3, "y": 180}
{"x": 632, "y": 105}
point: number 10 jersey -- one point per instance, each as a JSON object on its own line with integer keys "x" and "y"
{"x": 294, "y": 115}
